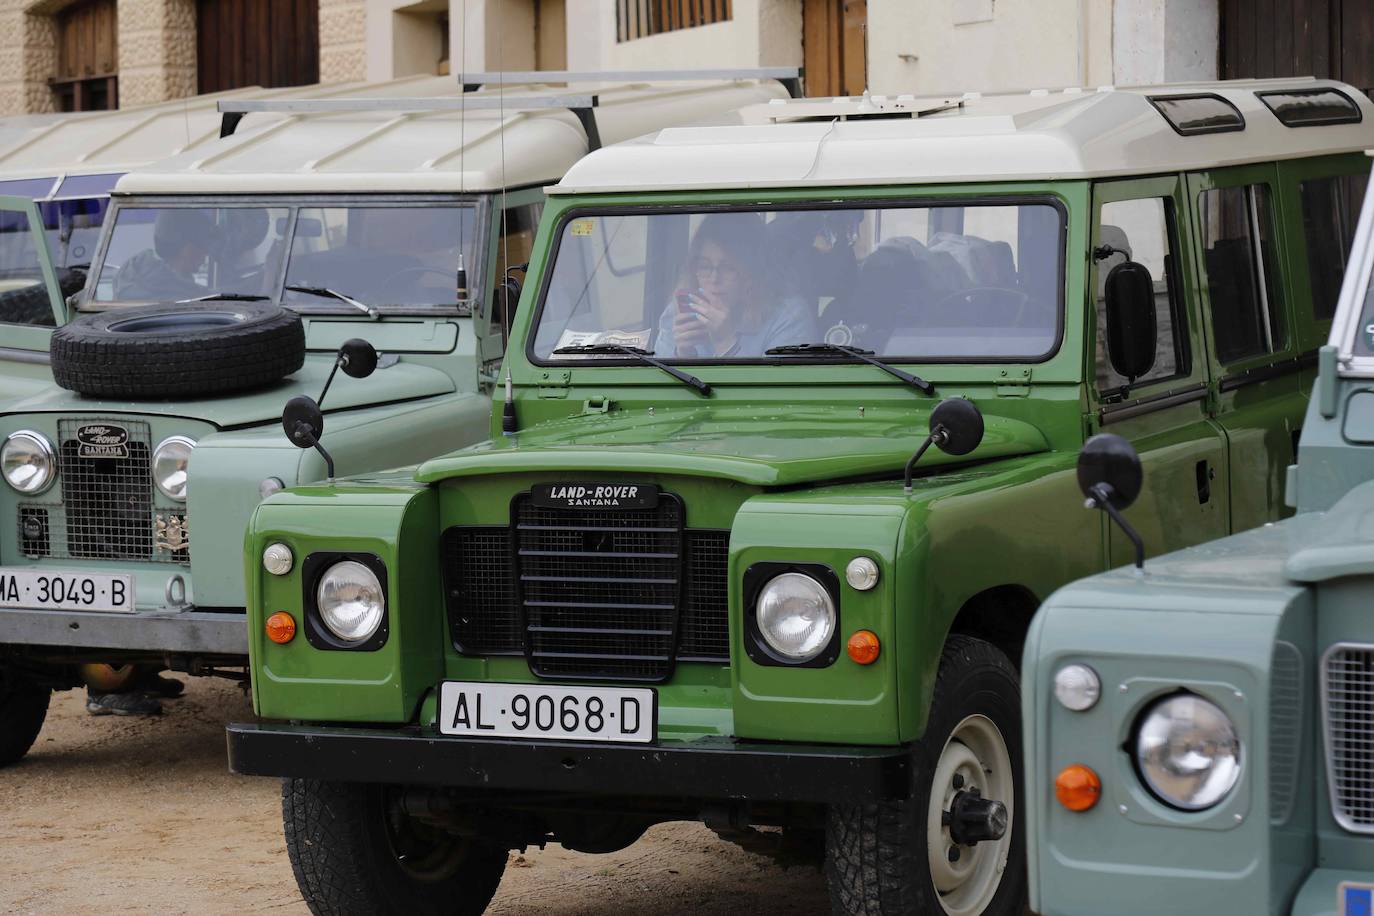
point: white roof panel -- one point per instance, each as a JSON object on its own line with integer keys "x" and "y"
{"x": 907, "y": 140}
{"x": 435, "y": 151}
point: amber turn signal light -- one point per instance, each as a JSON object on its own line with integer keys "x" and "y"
{"x": 1077, "y": 787}
{"x": 281, "y": 627}
{"x": 864, "y": 647}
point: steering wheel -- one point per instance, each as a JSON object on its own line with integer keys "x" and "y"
{"x": 1014, "y": 299}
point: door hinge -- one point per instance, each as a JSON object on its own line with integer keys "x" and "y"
{"x": 553, "y": 383}
{"x": 1014, "y": 383}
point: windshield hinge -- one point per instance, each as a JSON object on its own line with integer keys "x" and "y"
{"x": 1014, "y": 383}
{"x": 553, "y": 383}
{"x": 598, "y": 404}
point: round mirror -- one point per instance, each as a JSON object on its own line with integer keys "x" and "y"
{"x": 956, "y": 426}
{"x": 359, "y": 357}
{"x": 303, "y": 421}
{"x": 1110, "y": 459}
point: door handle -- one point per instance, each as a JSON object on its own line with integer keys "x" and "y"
{"x": 1204, "y": 482}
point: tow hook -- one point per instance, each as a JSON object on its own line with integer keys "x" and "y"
{"x": 971, "y": 818}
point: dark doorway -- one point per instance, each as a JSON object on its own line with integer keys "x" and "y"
{"x": 257, "y": 43}
{"x": 1325, "y": 38}
{"x": 835, "y": 46}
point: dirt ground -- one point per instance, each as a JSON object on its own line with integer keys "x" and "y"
{"x": 142, "y": 816}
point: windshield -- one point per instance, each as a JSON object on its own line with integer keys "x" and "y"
{"x": 73, "y": 212}
{"x": 382, "y": 256}
{"x": 958, "y": 281}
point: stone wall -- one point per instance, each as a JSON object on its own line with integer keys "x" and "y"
{"x": 28, "y": 58}
{"x": 157, "y": 50}
{"x": 343, "y": 40}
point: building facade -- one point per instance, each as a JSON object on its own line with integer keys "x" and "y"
{"x": 80, "y": 54}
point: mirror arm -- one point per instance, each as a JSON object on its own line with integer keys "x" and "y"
{"x": 338, "y": 361}
{"x": 937, "y": 435}
{"x": 1101, "y": 498}
{"x": 305, "y": 435}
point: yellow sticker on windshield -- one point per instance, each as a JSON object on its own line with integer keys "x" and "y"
{"x": 582, "y": 226}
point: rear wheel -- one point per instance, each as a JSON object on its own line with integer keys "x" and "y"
{"x": 23, "y": 707}
{"x": 354, "y": 850}
{"x": 956, "y": 846}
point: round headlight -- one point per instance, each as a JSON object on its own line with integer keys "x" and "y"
{"x": 350, "y": 600}
{"x": 1188, "y": 752}
{"x": 796, "y": 616}
{"x": 169, "y": 466}
{"x": 27, "y": 461}
{"x": 1077, "y": 687}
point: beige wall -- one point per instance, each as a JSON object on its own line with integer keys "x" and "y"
{"x": 157, "y": 50}
{"x": 343, "y": 40}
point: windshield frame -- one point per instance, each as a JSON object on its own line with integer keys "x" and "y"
{"x": 1350, "y": 307}
{"x": 481, "y": 205}
{"x": 855, "y": 201}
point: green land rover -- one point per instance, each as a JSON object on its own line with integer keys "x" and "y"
{"x": 1200, "y": 734}
{"x": 138, "y": 424}
{"x": 781, "y": 468}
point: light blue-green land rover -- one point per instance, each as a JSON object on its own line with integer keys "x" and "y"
{"x": 1200, "y": 732}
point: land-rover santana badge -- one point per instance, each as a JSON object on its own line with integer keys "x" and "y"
{"x": 594, "y": 495}
{"x": 102, "y": 440}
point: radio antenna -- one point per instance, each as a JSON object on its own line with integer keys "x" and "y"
{"x": 461, "y": 283}
{"x": 510, "y": 425}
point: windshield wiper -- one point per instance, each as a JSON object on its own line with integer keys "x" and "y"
{"x": 225, "y": 297}
{"x": 327, "y": 293}
{"x": 808, "y": 349}
{"x": 644, "y": 356}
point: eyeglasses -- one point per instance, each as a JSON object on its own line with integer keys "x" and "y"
{"x": 725, "y": 270}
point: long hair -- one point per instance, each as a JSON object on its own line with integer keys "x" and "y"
{"x": 742, "y": 236}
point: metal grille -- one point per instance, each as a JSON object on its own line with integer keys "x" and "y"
{"x": 1348, "y": 707}
{"x": 1285, "y": 729}
{"x": 595, "y": 605}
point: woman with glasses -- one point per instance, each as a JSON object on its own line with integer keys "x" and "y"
{"x": 726, "y": 305}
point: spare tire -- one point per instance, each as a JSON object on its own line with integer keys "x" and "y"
{"x": 178, "y": 350}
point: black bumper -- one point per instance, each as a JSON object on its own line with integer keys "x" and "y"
{"x": 711, "y": 768}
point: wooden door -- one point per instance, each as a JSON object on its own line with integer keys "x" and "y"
{"x": 1325, "y": 38}
{"x": 257, "y": 43}
{"x": 87, "y": 57}
{"x": 835, "y": 46}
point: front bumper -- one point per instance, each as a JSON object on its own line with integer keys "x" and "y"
{"x": 708, "y": 768}
{"x": 188, "y": 631}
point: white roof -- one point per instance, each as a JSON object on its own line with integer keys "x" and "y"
{"x": 437, "y": 151}
{"x": 90, "y": 143}
{"x": 1037, "y": 135}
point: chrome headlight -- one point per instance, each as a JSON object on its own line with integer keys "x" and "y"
{"x": 27, "y": 461}
{"x": 350, "y": 601}
{"x": 169, "y": 466}
{"x": 1188, "y": 752}
{"x": 796, "y": 616}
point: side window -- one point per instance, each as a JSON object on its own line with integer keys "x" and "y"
{"x": 23, "y": 293}
{"x": 513, "y": 248}
{"x": 1142, "y": 231}
{"x": 1330, "y": 208}
{"x": 1242, "y": 272}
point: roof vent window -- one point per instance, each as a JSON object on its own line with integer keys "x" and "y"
{"x": 1312, "y": 107}
{"x": 1191, "y": 115}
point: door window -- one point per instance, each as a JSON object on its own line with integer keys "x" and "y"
{"x": 24, "y": 295}
{"x": 1141, "y": 230}
{"x": 1330, "y": 207}
{"x": 513, "y": 249}
{"x": 1242, "y": 272}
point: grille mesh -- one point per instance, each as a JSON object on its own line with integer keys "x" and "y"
{"x": 1349, "y": 712}
{"x": 1285, "y": 729}
{"x": 601, "y": 591}
{"x": 106, "y": 512}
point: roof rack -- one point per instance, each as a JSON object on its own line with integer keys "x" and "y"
{"x": 790, "y": 77}
{"x": 233, "y": 111}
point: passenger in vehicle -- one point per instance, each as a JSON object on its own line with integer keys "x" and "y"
{"x": 725, "y": 305}
{"x": 182, "y": 240}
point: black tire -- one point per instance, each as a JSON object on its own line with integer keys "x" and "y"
{"x": 178, "y": 350}
{"x": 342, "y": 838}
{"x": 31, "y": 304}
{"x": 23, "y": 707}
{"x": 876, "y": 856}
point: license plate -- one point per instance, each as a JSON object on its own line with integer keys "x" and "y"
{"x": 478, "y": 710}
{"x": 1354, "y": 899}
{"x": 59, "y": 590}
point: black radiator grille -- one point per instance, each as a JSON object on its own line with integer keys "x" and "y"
{"x": 604, "y": 593}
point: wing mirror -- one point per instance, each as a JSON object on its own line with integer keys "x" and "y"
{"x": 1110, "y": 476}
{"x": 956, "y": 428}
{"x": 1131, "y": 332}
{"x": 303, "y": 419}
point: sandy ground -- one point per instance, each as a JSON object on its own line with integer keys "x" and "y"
{"x": 142, "y": 816}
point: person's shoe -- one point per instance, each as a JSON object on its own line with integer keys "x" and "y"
{"x": 122, "y": 704}
{"x": 168, "y": 688}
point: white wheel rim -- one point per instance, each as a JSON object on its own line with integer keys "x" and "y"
{"x": 975, "y": 756}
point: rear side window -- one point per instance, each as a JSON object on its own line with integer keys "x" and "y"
{"x": 1141, "y": 231}
{"x": 1242, "y": 272}
{"x": 1330, "y": 207}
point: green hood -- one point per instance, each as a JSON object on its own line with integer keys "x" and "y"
{"x": 740, "y": 443}
{"x": 399, "y": 382}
